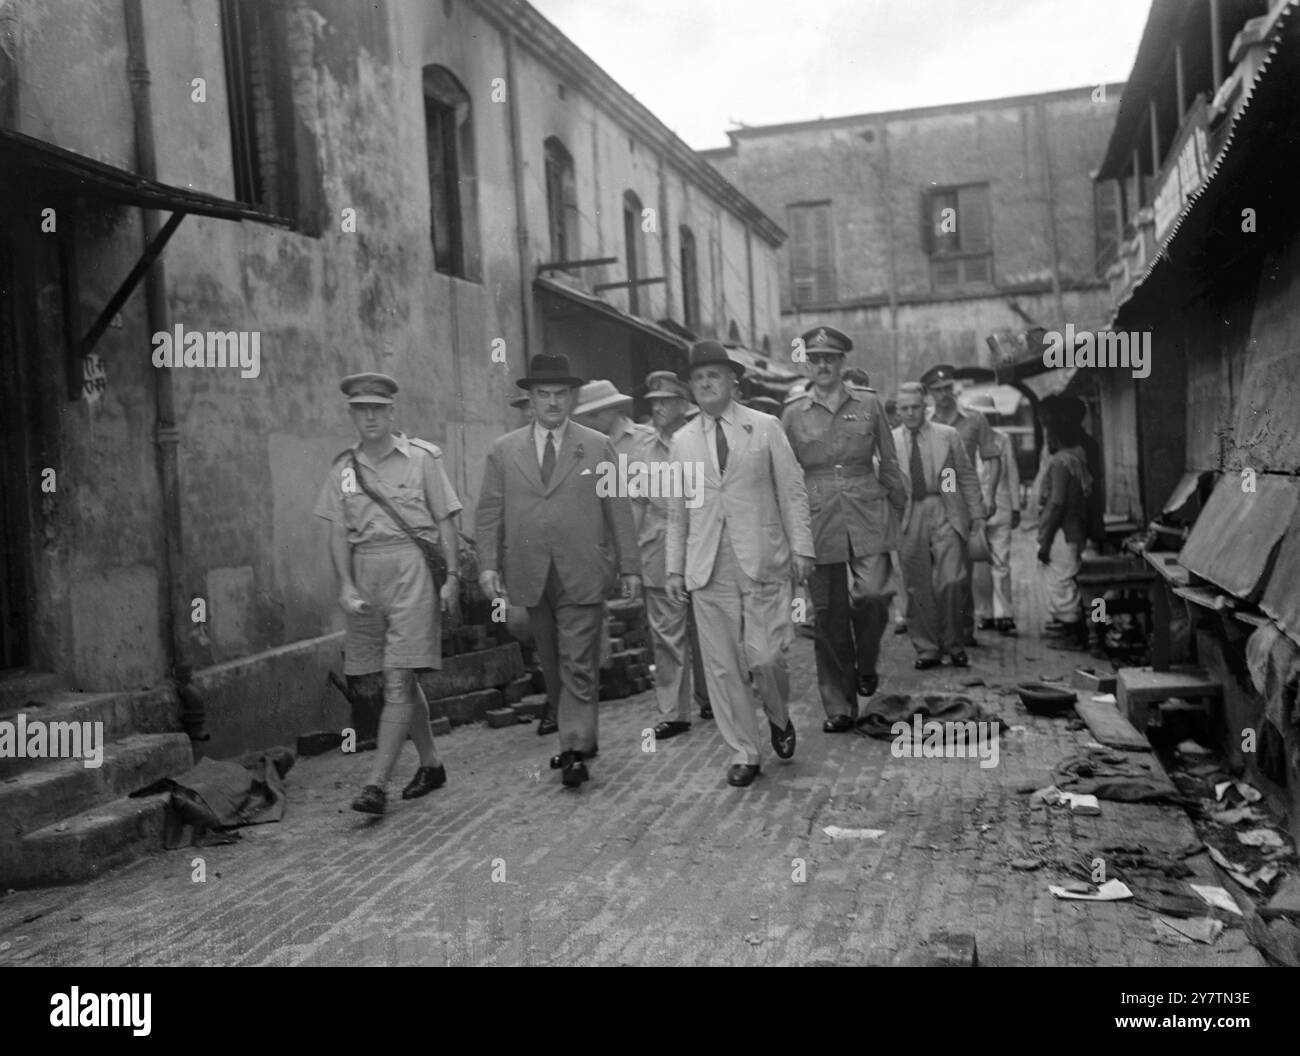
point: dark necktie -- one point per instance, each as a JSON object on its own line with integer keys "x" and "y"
{"x": 548, "y": 459}
{"x": 916, "y": 469}
{"x": 722, "y": 446}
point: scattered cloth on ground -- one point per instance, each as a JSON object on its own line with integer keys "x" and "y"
{"x": 1110, "y": 891}
{"x": 1273, "y": 660}
{"x": 1217, "y": 897}
{"x": 1249, "y": 794}
{"x": 1123, "y": 777}
{"x": 883, "y": 712}
{"x": 220, "y": 794}
{"x": 1201, "y": 929}
{"x": 1277, "y": 939}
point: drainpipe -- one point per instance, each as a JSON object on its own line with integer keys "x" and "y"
{"x": 521, "y": 216}
{"x": 167, "y": 438}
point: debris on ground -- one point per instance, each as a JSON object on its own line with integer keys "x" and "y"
{"x": 835, "y": 832}
{"x": 1202, "y": 929}
{"x": 1110, "y": 891}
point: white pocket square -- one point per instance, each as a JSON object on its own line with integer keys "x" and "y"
{"x": 585, "y": 473}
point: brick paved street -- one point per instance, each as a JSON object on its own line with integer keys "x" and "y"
{"x": 656, "y": 861}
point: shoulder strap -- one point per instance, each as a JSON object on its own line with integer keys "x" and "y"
{"x": 382, "y": 502}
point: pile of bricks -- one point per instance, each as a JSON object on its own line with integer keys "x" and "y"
{"x": 626, "y": 667}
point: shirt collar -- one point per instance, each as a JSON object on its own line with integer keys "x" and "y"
{"x": 728, "y": 414}
{"x": 540, "y": 431}
{"x": 400, "y": 444}
{"x": 845, "y": 395}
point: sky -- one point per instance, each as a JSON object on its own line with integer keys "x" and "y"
{"x": 704, "y": 66}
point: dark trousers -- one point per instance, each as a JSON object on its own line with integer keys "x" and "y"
{"x": 568, "y": 647}
{"x": 850, "y": 612}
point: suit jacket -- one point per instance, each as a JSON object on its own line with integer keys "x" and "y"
{"x": 942, "y": 448}
{"x": 761, "y": 499}
{"x": 522, "y": 528}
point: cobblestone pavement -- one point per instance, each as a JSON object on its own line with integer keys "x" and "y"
{"x": 655, "y": 861}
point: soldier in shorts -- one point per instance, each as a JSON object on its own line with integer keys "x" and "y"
{"x": 386, "y": 588}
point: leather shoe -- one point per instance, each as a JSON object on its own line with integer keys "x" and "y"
{"x": 426, "y": 779}
{"x": 959, "y": 659}
{"x": 547, "y": 726}
{"x": 987, "y": 623}
{"x": 900, "y": 627}
{"x": 1006, "y": 627}
{"x": 924, "y": 663}
{"x": 574, "y": 770}
{"x": 783, "y": 740}
{"x": 706, "y": 711}
{"x": 670, "y": 729}
{"x": 837, "y": 724}
{"x": 868, "y": 684}
{"x": 557, "y": 761}
{"x": 372, "y": 800}
{"x": 741, "y": 775}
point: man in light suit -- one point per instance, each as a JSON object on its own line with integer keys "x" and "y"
{"x": 734, "y": 546}
{"x": 944, "y": 507}
{"x": 554, "y": 543}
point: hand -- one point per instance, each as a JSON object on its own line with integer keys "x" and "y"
{"x": 352, "y": 602}
{"x": 803, "y": 567}
{"x": 450, "y": 594}
{"x": 676, "y": 588}
{"x": 490, "y": 583}
{"x": 631, "y": 587}
{"x": 1015, "y": 519}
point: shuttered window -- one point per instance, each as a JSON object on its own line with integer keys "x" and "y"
{"x": 812, "y": 253}
{"x": 1106, "y": 199}
{"x": 957, "y": 233}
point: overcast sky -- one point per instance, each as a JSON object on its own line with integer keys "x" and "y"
{"x": 703, "y": 65}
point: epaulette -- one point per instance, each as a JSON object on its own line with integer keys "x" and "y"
{"x": 861, "y": 388}
{"x": 433, "y": 449}
{"x": 796, "y": 397}
{"x": 341, "y": 456}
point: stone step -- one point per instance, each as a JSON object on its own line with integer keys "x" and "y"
{"x": 122, "y": 713}
{"x": 60, "y": 788}
{"x": 88, "y": 844}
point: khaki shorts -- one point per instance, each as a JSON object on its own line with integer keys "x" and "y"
{"x": 403, "y": 627}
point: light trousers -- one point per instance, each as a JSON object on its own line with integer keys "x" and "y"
{"x": 937, "y": 575}
{"x": 993, "y": 578}
{"x": 672, "y": 649}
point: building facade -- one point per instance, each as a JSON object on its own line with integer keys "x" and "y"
{"x": 922, "y": 232}
{"x": 390, "y": 186}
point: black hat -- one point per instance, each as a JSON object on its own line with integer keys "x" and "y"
{"x": 942, "y": 375}
{"x": 826, "y": 339}
{"x": 709, "y": 354}
{"x": 548, "y": 370}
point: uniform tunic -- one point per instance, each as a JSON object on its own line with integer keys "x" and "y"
{"x": 403, "y": 627}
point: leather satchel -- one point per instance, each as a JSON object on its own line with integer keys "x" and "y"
{"x": 431, "y": 551}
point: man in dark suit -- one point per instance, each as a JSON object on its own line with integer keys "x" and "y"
{"x": 554, "y": 543}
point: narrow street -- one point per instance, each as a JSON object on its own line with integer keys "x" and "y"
{"x": 656, "y": 861}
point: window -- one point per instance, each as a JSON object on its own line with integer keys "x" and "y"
{"x": 812, "y": 254}
{"x": 272, "y": 152}
{"x": 956, "y": 232}
{"x": 1106, "y": 207}
{"x": 690, "y": 279}
{"x": 453, "y": 188}
{"x": 561, "y": 201}
{"x": 634, "y": 246}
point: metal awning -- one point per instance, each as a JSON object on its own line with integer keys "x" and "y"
{"x": 590, "y": 302}
{"x": 36, "y": 164}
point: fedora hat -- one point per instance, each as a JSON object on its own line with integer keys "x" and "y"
{"x": 597, "y": 395}
{"x": 710, "y": 354}
{"x": 548, "y": 370}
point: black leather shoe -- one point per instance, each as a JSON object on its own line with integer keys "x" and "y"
{"x": 987, "y": 623}
{"x": 900, "y": 627}
{"x": 959, "y": 659}
{"x": 783, "y": 740}
{"x": 1006, "y": 627}
{"x": 706, "y": 711}
{"x": 670, "y": 729}
{"x": 868, "y": 684}
{"x": 837, "y": 724}
{"x": 741, "y": 775}
{"x": 426, "y": 779}
{"x": 573, "y": 770}
{"x": 372, "y": 800}
{"x": 924, "y": 663}
{"x": 547, "y": 726}
{"x": 557, "y": 761}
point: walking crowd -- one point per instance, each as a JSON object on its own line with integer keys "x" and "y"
{"x": 838, "y": 496}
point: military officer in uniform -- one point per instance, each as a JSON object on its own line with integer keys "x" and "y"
{"x": 386, "y": 587}
{"x": 837, "y": 431}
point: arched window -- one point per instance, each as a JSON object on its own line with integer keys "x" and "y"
{"x": 561, "y": 201}
{"x": 453, "y": 186}
{"x": 634, "y": 248}
{"x": 690, "y": 279}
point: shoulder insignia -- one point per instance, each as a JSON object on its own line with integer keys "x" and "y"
{"x": 433, "y": 449}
